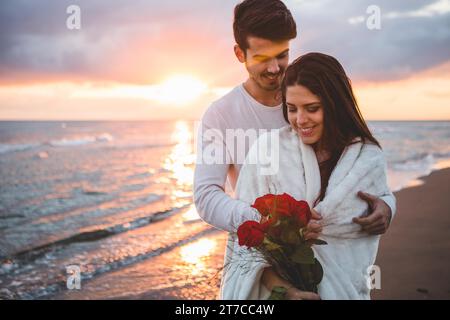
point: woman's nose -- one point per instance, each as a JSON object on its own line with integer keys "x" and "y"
{"x": 301, "y": 118}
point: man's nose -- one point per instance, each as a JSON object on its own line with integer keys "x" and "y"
{"x": 273, "y": 66}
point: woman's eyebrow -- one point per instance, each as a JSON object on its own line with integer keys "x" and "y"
{"x": 311, "y": 104}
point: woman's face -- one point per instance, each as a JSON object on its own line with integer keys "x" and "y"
{"x": 305, "y": 113}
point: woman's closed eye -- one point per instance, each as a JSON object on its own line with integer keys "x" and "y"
{"x": 313, "y": 109}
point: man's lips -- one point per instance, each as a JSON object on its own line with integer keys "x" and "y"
{"x": 272, "y": 77}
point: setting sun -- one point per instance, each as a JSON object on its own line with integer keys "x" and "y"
{"x": 180, "y": 89}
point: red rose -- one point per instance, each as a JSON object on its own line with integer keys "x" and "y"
{"x": 287, "y": 206}
{"x": 273, "y": 206}
{"x": 264, "y": 204}
{"x": 250, "y": 234}
{"x": 301, "y": 212}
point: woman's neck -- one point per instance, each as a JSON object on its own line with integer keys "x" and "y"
{"x": 321, "y": 154}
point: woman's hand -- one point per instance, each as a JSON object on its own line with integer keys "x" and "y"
{"x": 271, "y": 279}
{"x": 294, "y": 294}
{"x": 312, "y": 230}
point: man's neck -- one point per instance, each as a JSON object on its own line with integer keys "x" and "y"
{"x": 265, "y": 97}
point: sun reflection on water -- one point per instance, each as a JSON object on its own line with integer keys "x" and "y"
{"x": 191, "y": 214}
{"x": 196, "y": 252}
{"x": 180, "y": 163}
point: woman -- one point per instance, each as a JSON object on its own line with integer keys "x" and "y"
{"x": 326, "y": 154}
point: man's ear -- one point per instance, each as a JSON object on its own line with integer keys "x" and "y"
{"x": 239, "y": 53}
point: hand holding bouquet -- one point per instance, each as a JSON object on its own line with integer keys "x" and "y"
{"x": 280, "y": 239}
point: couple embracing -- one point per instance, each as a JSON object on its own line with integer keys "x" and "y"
{"x": 326, "y": 156}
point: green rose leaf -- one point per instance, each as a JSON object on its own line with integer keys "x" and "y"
{"x": 303, "y": 255}
{"x": 317, "y": 271}
{"x": 290, "y": 236}
{"x": 316, "y": 242}
{"x": 278, "y": 293}
{"x": 270, "y": 245}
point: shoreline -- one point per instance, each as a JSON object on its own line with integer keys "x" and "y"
{"x": 419, "y": 178}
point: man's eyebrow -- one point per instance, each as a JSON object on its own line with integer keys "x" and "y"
{"x": 264, "y": 56}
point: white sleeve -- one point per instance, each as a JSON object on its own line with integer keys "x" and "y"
{"x": 391, "y": 202}
{"x": 213, "y": 205}
{"x": 241, "y": 278}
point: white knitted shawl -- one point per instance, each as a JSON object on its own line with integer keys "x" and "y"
{"x": 350, "y": 253}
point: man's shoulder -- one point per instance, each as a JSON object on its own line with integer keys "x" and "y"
{"x": 224, "y": 103}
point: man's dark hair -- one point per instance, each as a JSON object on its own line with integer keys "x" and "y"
{"x": 267, "y": 19}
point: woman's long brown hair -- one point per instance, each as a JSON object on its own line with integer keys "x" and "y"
{"x": 324, "y": 76}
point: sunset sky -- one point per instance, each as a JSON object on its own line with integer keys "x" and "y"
{"x": 162, "y": 60}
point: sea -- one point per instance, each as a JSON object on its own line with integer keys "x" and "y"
{"x": 104, "y": 209}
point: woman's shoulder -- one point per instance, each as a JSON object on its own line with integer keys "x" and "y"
{"x": 365, "y": 144}
{"x": 281, "y": 135}
{"x": 286, "y": 132}
{"x": 368, "y": 149}
{"x": 274, "y": 144}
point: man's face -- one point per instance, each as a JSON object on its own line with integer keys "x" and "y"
{"x": 266, "y": 61}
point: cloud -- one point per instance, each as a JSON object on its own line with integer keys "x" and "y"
{"x": 440, "y": 7}
{"x": 399, "y": 49}
{"x": 141, "y": 41}
{"x": 437, "y": 8}
{"x": 136, "y": 42}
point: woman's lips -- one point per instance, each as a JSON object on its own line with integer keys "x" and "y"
{"x": 307, "y": 131}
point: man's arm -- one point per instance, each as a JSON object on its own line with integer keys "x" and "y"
{"x": 213, "y": 205}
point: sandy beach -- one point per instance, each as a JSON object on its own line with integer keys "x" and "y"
{"x": 414, "y": 255}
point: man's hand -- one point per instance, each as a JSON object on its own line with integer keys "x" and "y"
{"x": 379, "y": 218}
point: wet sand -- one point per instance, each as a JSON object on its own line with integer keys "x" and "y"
{"x": 188, "y": 269}
{"x": 414, "y": 255}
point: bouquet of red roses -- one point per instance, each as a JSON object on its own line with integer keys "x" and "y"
{"x": 281, "y": 241}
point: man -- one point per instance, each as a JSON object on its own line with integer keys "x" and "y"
{"x": 262, "y": 31}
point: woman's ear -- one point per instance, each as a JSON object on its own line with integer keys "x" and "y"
{"x": 239, "y": 53}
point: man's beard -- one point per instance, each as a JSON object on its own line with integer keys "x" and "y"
{"x": 264, "y": 83}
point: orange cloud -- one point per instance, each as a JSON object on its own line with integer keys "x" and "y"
{"x": 424, "y": 96}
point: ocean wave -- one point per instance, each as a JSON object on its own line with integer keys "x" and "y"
{"x": 94, "y": 235}
{"x": 120, "y": 146}
{"x": 419, "y": 162}
{"x": 51, "y": 289}
{"x": 442, "y": 155}
{"x": 7, "y": 148}
{"x": 69, "y": 142}
{"x": 405, "y": 173}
